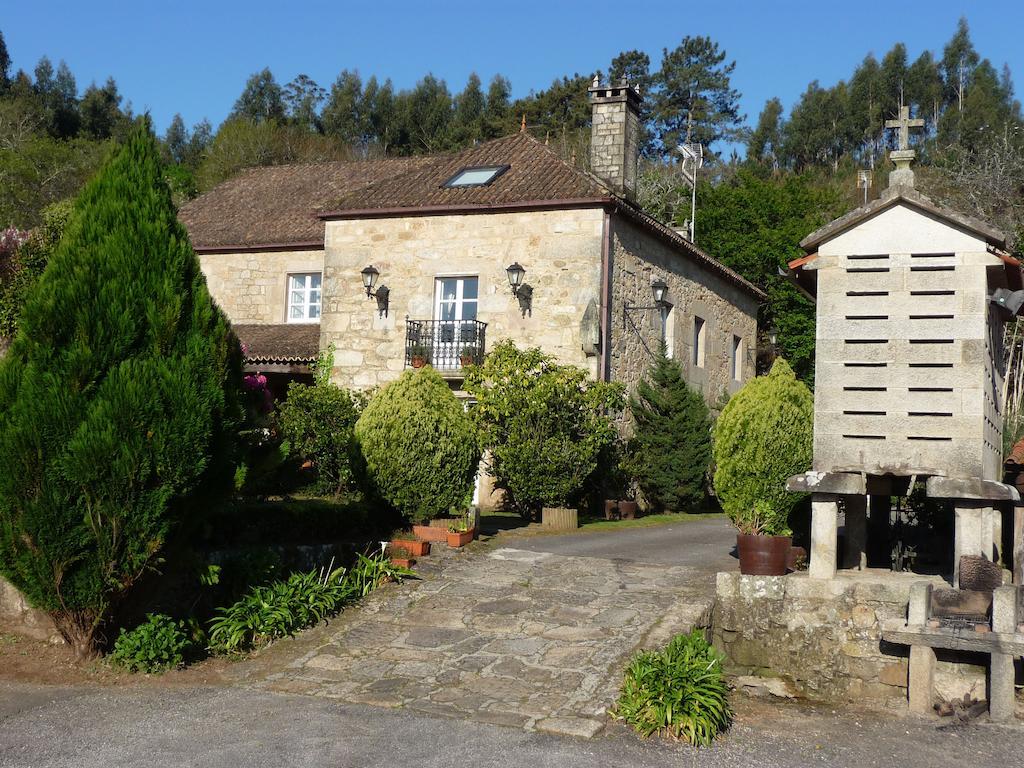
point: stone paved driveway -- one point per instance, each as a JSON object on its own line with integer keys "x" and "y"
{"x": 528, "y": 639}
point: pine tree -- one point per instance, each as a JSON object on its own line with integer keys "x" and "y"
{"x": 671, "y": 447}
{"x": 117, "y": 400}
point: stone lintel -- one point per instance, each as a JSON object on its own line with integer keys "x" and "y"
{"x": 841, "y": 483}
{"x": 970, "y": 488}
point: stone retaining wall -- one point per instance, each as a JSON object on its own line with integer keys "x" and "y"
{"x": 17, "y": 616}
{"x": 822, "y": 637}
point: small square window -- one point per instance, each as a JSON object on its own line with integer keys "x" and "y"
{"x": 304, "y": 298}
{"x": 477, "y": 176}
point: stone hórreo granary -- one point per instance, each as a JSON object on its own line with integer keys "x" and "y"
{"x": 909, "y": 369}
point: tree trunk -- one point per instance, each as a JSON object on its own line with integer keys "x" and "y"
{"x": 79, "y": 630}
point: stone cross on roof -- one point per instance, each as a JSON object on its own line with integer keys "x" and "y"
{"x": 902, "y": 175}
{"x": 903, "y": 123}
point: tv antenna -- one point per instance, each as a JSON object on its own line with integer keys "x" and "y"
{"x": 864, "y": 180}
{"x": 693, "y": 161}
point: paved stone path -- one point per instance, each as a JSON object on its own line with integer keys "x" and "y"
{"x": 512, "y": 637}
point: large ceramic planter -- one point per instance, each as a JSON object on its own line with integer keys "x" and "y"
{"x": 628, "y": 509}
{"x": 430, "y": 532}
{"x": 415, "y": 547}
{"x": 459, "y": 538}
{"x": 763, "y": 555}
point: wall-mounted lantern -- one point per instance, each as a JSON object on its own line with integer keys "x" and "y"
{"x": 370, "y": 275}
{"x": 659, "y": 291}
{"x": 515, "y": 274}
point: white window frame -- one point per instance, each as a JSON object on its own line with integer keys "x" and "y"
{"x": 306, "y": 289}
{"x": 700, "y": 335}
{"x": 737, "y": 358}
{"x": 459, "y": 301}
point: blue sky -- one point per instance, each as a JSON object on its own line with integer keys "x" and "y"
{"x": 193, "y": 57}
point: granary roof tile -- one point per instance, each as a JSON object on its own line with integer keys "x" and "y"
{"x": 283, "y": 343}
{"x": 276, "y": 205}
{"x": 894, "y": 196}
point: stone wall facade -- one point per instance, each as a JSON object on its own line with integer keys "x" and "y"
{"x": 252, "y": 287}
{"x": 17, "y": 616}
{"x": 560, "y": 250}
{"x": 822, "y": 637}
{"x": 693, "y": 291}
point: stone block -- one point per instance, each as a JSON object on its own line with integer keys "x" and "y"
{"x": 894, "y": 674}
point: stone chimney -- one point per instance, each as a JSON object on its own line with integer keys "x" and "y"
{"x": 615, "y": 135}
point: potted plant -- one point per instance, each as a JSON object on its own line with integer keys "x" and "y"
{"x": 401, "y": 557}
{"x": 460, "y": 533}
{"x": 468, "y": 356}
{"x": 414, "y": 546}
{"x": 419, "y": 355}
{"x": 762, "y": 437}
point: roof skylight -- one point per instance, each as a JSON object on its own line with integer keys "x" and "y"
{"x": 476, "y": 176}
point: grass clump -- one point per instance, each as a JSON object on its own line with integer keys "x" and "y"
{"x": 679, "y": 691}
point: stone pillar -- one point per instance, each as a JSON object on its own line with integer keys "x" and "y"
{"x": 824, "y": 535}
{"x": 1001, "y": 673}
{"x": 855, "y": 551}
{"x": 973, "y": 533}
{"x": 1018, "y": 545}
{"x": 921, "y": 680}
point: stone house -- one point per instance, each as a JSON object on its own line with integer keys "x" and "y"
{"x": 286, "y": 251}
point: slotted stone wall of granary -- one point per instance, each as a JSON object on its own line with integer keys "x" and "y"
{"x": 907, "y": 376}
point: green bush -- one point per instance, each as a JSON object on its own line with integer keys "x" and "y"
{"x": 118, "y": 400}
{"x": 318, "y": 421}
{"x": 763, "y": 436}
{"x": 282, "y": 608}
{"x": 546, "y": 425}
{"x": 420, "y": 448}
{"x": 679, "y": 691}
{"x": 156, "y": 645}
{"x": 670, "y": 451}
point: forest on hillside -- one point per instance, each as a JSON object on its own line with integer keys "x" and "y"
{"x": 799, "y": 169}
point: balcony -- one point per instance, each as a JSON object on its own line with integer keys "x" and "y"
{"x": 447, "y": 345}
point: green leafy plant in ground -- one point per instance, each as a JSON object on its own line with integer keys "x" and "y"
{"x": 284, "y": 607}
{"x": 670, "y": 451}
{"x": 157, "y": 645}
{"x": 420, "y": 449}
{"x": 679, "y": 691}
{"x": 763, "y": 436}
{"x": 119, "y": 399}
{"x": 545, "y": 425}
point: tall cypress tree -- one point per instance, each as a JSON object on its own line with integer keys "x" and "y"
{"x": 117, "y": 399}
{"x": 670, "y": 451}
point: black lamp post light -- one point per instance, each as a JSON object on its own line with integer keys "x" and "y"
{"x": 659, "y": 292}
{"x": 370, "y": 275}
{"x": 520, "y": 290}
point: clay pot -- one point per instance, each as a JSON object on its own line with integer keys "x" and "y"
{"x": 403, "y": 562}
{"x": 763, "y": 555}
{"x": 414, "y": 547}
{"x": 611, "y": 509}
{"x": 418, "y": 362}
{"x": 459, "y": 538}
{"x": 430, "y": 533}
{"x": 466, "y": 360}
{"x": 628, "y": 509}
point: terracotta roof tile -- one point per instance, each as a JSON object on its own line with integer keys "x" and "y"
{"x": 286, "y": 343}
{"x": 536, "y": 173}
{"x": 277, "y": 204}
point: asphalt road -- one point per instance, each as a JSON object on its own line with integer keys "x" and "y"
{"x": 706, "y": 544}
{"x": 224, "y": 728}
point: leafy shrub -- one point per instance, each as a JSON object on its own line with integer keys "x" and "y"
{"x": 546, "y": 425}
{"x": 118, "y": 400}
{"x": 420, "y": 448}
{"x": 156, "y": 645}
{"x": 319, "y": 421}
{"x": 302, "y": 600}
{"x": 679, "y": 691}
{"x": 763, "y": 436}
{"x": 670, "y": 451}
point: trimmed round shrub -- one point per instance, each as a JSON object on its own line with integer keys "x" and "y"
{"x": 763, "y": 436}
{"x": 419, "y": 447}
{"x": 158, "y": 644}
{"x": 679, "y": 691}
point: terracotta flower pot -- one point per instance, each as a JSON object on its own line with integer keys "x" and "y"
{"x": 430, "y": 533}
{"x": 418, "y": 362}
{"x": 611, "y": 509}
{"x": 628, "y": 509}
{"x": 415, "y": 547}
{"x": 403, "y": 562}
{"x": 763, "y": 555}
{"x": 466, "y": 360}
{"x": 459, "y": 538}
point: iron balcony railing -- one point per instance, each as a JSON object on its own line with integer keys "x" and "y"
{"x": 447, "y": 345}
